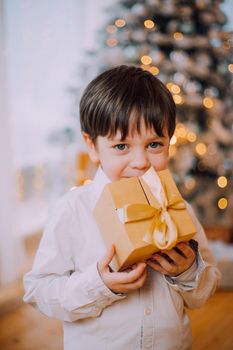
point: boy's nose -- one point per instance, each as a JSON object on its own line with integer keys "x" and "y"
{"x": 139, "y": 161}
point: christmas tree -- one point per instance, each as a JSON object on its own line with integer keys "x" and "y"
{"x": 184, "y": 44}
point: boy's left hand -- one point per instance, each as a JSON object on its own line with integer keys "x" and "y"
{"x": 176, "y": 260}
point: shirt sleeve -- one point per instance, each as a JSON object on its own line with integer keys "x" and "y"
{"x": 53, "y": 285}
{"x": 199, "y": 282}
{"x": 188, "y": 279}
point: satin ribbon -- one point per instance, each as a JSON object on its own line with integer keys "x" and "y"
{"x": 162, "y": 231}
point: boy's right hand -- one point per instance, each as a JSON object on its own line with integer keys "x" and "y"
{"x": 125, "y": 281}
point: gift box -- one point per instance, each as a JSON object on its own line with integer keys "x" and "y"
{"x": 142, "y": 215}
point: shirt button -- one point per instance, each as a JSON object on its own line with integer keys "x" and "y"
{"x": 147, "y": 311}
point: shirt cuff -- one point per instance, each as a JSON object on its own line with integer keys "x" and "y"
{"x": 97, "y": 288}
{"x": 88, "y": 289}
{"x": 188, "y": 279}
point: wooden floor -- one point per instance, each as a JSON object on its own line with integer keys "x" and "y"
{"x": 212, "y": 325}
{"x": 26, "y": 329}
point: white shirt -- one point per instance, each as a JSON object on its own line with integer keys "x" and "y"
{"x": 64, "y": 283}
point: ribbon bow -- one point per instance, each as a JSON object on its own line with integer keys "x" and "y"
{"x": 162, "y": 231}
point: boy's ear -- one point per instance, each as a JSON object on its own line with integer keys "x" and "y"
{"x": 92, "y": 150}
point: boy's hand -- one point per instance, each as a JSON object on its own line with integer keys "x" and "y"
{"x": 121, "y": 282}
{"x": 173, "y": 262}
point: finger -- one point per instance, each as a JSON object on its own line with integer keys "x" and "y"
{"x": 165, "y": 255}
{"x": 169, "y": 267}
{"x": 130, "y": 276}
{"x": 136, "y": 284}
{"x": 185, "y": 249}
{"x": 175, "y": 256}
{"x": 155, "y": 266}
{"x": 107, "y": 258}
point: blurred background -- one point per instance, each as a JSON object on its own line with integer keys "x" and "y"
{"x": 49, "y": 51}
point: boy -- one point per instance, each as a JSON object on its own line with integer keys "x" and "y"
{"x": 127, "y": 119}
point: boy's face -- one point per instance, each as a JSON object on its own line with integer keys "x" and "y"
{"x": 131, "y": 157}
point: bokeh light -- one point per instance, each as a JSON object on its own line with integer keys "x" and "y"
{"x": 222, "y": 203}
{"x": 154, "y": 70}
{"x": 178, "y": 36}
{"x": 201, "y": 148}
{"x": 120, "y": 22}
{"x": 208, "y": 102}
{"x": 111, "y": 42}
{"x": 222, "y": 181}
{"x": 149, "y": 24}
{"x": 146, "y": 60}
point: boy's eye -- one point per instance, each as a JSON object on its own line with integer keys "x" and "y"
{"x": 120, "y": 147}
{"x": 154, "y": 144}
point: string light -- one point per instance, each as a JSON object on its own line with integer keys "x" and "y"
{"x": 120, "y": 22}
{"x": 111, "y": 29}
{"x": 208, "y": 102}
{"x": 222, "y": 181}
{"x": 177, "y": 99}
{"x": 191, "y": 136}
{"x": 178, "y": 36}
{"x": 180, "y": 130}
{"x": 111, "y": 42}
{"x": 147, "y": 68}
{"x": 149, "y": 24}
{"x": 175, "y": 89}
{"x": 154, "y": 70}
{"x": 169, "y": 86}
{"x": 146, "y": 60}
{"x": 222, "y": 203}
{"x": 180, "y": 126}
{"x": 201, "y": 148}
{"x": 230, "y": 67}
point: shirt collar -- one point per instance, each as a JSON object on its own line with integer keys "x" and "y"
{"x": 99, "y": 181}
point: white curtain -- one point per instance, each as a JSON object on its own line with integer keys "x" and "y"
{"x": 11, "y": 246}
{"x": 42, "y": 44}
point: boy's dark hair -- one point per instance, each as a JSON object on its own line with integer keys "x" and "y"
{"x": 109, "y": 100}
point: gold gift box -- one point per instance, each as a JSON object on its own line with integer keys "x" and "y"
{"x": 129, "y": 236}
